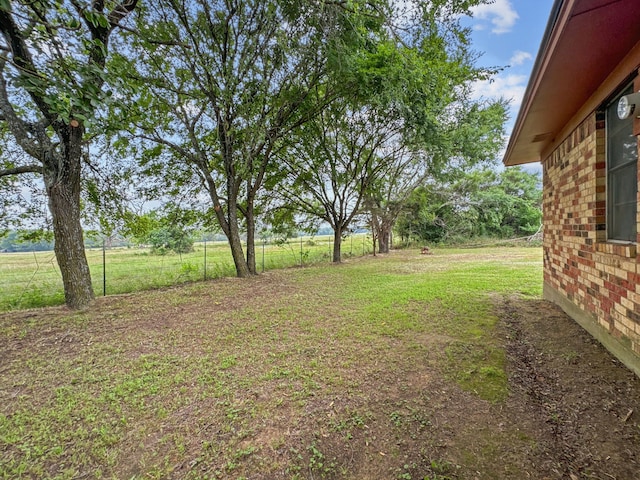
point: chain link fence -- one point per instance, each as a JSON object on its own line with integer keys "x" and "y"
{"x": 33, "y": 279}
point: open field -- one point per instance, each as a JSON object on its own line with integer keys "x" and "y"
{"x": 33, "y": 279}
{"x": 403, "y": 366}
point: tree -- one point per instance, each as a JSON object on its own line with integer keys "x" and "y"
{"x": 510, "y": 205}
{"x": 53, "y": 70}
{"x": 417, "y": 220}
{"x": 169, "y": 230}
{"x": 481, "y": 202}
{"x": 170, "y": 238}
{"x": 408, "y": 114}
{"x": 387, "y": 197}
{"x": 334, "y": 162}
{"x": 473, "y": 138}
{"x": 236, "y": 81}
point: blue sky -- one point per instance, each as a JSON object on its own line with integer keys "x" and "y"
{"x": 508, "y": 33}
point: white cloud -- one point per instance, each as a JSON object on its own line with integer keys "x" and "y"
{"x": 510, "y": 87}
{"x": 519, "y": 57}
{"x": 500, "y": 12}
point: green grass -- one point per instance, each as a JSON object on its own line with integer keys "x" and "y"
{"x": 280, "y": 373}
{"x": 33, "y": 279}
{"x": 451, "y": 289}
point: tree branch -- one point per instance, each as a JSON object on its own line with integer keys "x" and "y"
{"x": 98, "y": 5}
{"x": 16, "y": 125}
{"x": 20, "y": 170}
{"x": 22, "y": 58}
{"x": 121, "y": 11}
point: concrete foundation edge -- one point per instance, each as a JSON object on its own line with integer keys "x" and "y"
{"x": 590, "y": 324}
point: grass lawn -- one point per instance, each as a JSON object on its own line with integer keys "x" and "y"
{"x": 321, "y": 372}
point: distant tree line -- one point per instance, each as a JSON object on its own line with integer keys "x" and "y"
{"x": 482, "y": 203}
{"x": 13, "y": 241}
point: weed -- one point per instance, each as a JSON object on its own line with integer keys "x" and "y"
{"x": 354, "y": 420}
{"x": 396, "y": 418}
{"x": 405, "y": 473}
{"x": 440, "y": 470}
{"x": 187, "y": 269}
{"x": 228, "y": 362}
{"x": 318, "y": 463}
{"x": 571, "y": 357}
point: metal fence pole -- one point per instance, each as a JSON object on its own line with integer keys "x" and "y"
{"x": 205, "y": 259}
{"x": 264, "y": 242}
{"x": 104, "y": 268}
{"x": 301, "y": 250}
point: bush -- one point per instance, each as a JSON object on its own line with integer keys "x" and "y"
{"x": 166, "y": 239}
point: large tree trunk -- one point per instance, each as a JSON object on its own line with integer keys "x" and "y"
{"x": 64, "y": 205}
{"x": 235, "y": 243}
{"x": 229, "y": 225}
{"x": 384, "y": 236}
{"x": 337, "y": 245}
{"x": 251, "y": 237}
{"x": 62, "y": 181}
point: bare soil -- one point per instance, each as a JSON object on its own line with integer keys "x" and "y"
{"x": 579, "y": 404}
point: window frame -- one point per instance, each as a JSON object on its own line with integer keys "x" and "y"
{"x": 626, "y": 228}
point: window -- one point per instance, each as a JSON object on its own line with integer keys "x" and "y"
{"x": 622, "y": 177}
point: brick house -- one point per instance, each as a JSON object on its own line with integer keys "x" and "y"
{"x": 572, "y": 121}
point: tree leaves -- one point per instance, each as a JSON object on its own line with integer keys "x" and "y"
{"x": 97, "y": 19}
{"x": 481, "y": 202}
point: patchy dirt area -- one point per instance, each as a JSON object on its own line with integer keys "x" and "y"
{"x": 581, "y": 404}
{"x": 277, "y": 377}
{"x": 573, "y": 412}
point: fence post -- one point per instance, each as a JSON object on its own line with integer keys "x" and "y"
{"x": 104, "y": 268}
{"x": 264, "y": 242}
{"x": 205, "y": 259}
{"x": 301, "y": 250}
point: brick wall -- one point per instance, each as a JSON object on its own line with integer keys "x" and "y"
{"x": 600, "y": 278}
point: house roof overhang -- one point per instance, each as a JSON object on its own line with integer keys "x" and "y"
{"x": 584, "y": 42}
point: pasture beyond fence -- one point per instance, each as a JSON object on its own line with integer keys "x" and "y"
{"x": 33, "y": 279}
